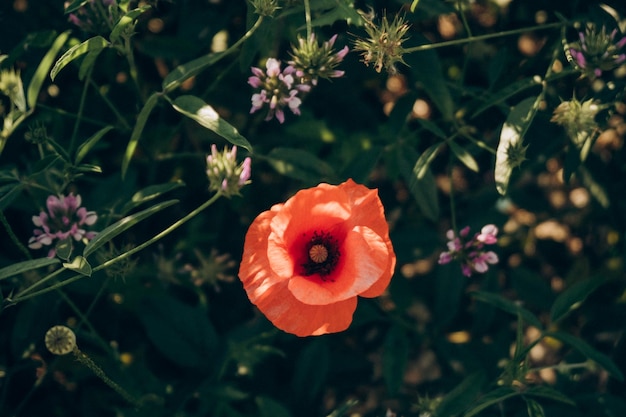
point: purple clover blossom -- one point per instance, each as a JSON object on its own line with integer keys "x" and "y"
{"x": 225, "y": 174}
{"x": 470, "y": 253}
{"x": 64, "y": 218}
{"x": 278, "y": 89}
{"x": 597, "y": 51}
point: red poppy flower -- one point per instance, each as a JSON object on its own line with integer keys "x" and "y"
{"x": 306, "y": 261}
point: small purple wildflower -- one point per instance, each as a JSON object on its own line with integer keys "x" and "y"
{"x": 597, "y": 51}
{"x": 64, "y": 218}
{"x": 225, "y": 174}
{"x": 278, "y": 89}
{"x": 470, "y": 252}
{"x": 96, "y": 16}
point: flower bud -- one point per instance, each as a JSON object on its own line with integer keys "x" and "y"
{"x": 225, "y": 174}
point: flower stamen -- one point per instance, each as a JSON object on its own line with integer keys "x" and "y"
{"x": 322, "y": 255}
{"x": 318, "y": 253}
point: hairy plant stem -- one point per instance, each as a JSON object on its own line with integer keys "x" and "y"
{"x": 81, "y": 108}
{"x": 89, "y": 363}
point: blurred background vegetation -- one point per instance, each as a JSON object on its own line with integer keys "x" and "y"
{"x": 541, "y": 333}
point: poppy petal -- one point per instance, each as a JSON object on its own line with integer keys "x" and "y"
{"x": 302, "y": 319}
{"x": 366, "y": 258}
{"x": 254, "y": 270}
{"x": 309, "y": 209}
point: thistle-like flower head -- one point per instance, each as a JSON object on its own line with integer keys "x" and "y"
{"x": 597, "y": 50}
{"x": 383, "y": 46}
{"x": 312, "y": 60}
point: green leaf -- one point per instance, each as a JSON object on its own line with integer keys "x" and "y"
{"x": 511, "y": 137}
{"x": 43, "y": 68}
{"x": 142, "y": 119}
{"x": 463, "y": 155}
{"x": 64, "y": 248}
{"x": 122, "y": 225}
{"x": 504, "y": 94}
{"x": 125, "y": 21}
{"x": 300, "y": 164}
{"x": 42, "y": 39}
{"x": 362, "y": 165}
{"x": 343, "y": 409}
{"x": 150, "y": 193}
{"x": 270, "y": 408}
{"x": 456, "y": 401}
{"x": 88, "y": 62}
{"x": 343, "y": 11}
{"x": 423, "y": 189}
{"x": 86, "y": 146}
{"x": 311, "y": 370}
{"x": 427, "y": 68}
{"x": 414, "y": 5}
{"x": 182, "y": 333}
{"x": 91, "y": 168}
{"x": 25, "y": 266}
{"x": 534, "y": 408}
{"x": 432, "y": 128}
{"x": 508, "y": 306}
{"x": 494, "y": 397}
{"x": 95, "y": 43}
{"x": 80, "y": 265}
{"x": 8, "y": 196}
{"x": 570, "y": 299}
{"x": 422, "y": 166}
{"x": 544, "y": 391}
{"x": 75, "y": 5}
{"x": 187, "y": 70}
{"x": 589, "y": 352}
{"x": 395, "y": 358}
{"x": 196, "y": 109}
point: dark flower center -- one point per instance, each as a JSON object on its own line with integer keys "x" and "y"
{"x": 322, "y": 255}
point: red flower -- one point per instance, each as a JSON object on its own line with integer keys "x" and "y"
{"x": 306, "y": 261}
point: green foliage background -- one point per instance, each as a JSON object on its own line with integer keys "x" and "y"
{"x": 539, "y": 334}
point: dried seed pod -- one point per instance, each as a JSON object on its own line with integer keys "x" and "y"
{"x": 60, "y": 340}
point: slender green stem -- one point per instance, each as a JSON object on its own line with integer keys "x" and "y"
{"x": 24, "y": 294}
{"x": 160, "y": 235}
{"x": 39, "y": 284}
{"x": 14, "y": 238}
{"x": 72, "y": 115}
{"x": 111, "y": 106}
{"x": 81, "y": 108}
{"x": 132, "y": 66}
{"x": 83, "y": 319}
{"x": 452, "y": 205}
{"x": 483, "y": 37}
{"x": 562, "y": 367}
{"x": 307, "y": 18}
{"x": 464, "y": 18}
